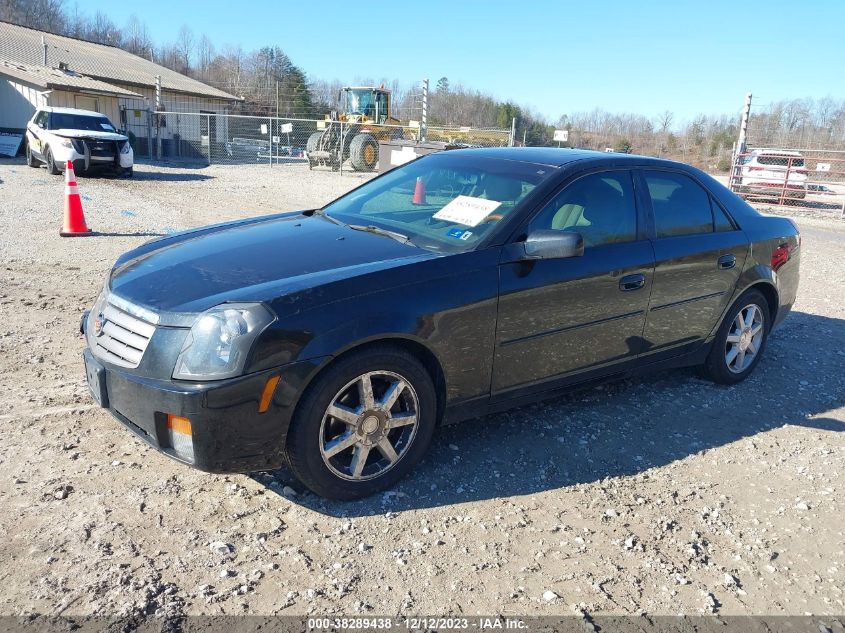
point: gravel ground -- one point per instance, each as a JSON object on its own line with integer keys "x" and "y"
{"x": 660, "y": 495}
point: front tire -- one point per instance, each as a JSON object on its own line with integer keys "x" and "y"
{"x": 30, "y": 159}
{"x": 363, "y": 152}
{"x": 363, "y": 424}
{"x": 51, "y": 163}
{"x": 740, "y": 341}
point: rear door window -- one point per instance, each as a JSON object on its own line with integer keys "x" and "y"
{"x": 681, "y": 206}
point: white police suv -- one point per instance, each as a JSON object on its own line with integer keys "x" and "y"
{"x": 57, "y": 135}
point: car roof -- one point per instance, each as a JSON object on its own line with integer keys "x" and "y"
{"x": 558, "y": 157}
{"x": 775, "y": 152}
{"x": 71, "y": 111}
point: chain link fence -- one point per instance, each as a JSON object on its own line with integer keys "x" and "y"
{"x": 212, "y": 138}
{"x": 807, "y": 178}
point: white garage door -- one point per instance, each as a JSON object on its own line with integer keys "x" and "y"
{"x": 86, "y": 103}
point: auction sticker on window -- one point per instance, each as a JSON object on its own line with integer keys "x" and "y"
{"x": 467, "y": 210}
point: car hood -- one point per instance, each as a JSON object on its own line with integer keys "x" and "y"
{"x": 255, "y": 260}
{"x": 104, "y": 136}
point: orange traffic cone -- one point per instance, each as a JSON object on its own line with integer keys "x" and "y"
{"x": 419, "y": 192}
{"x": 74, "y": 224}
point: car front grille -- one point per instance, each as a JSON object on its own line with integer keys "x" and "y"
{"x": 102, "y": 149}
{"x": 119, "y": 337}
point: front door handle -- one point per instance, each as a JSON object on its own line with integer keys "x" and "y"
{"x": 632, "y": 282}
{"x": 726, "y": 262}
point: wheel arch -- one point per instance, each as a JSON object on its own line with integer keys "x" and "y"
{"x": 758, "y": 280}
{"x": 413, "y": 346}
{"x": 770, "y": 292}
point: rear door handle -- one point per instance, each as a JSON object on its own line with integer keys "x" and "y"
{"x": 726, "y": 262}
{"x": 632, "y": 282}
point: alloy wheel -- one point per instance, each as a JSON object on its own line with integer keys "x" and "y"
{"x": 745, "y": 337}
{"x": 369, "y": 425}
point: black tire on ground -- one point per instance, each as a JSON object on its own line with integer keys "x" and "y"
{"x": 51, "y": 163}
{"x": 313, "y": 142}
{"x": 363, "y": 152}
{"x": 30, "y": 159}
{"x": 716, "y": 366}
{"x": 305, "y": 437}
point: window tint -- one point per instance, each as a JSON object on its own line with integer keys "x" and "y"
{"x": 600, "y": 207}
{"x": 720, "y": 219}
{"x": 681, "y": 206}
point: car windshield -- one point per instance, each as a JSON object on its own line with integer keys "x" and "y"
{"x": 359, "y": 101}
{"x": 67, "y": 121}
{"x": 442, "y": 202}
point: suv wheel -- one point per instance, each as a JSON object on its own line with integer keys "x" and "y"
{"x": 30, "y": 159}
{"x": 363, "y": 424}
{"x": 51, "y": 163}
{"x": 740, "y": 340}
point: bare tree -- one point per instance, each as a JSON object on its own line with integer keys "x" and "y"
{"x": 102, "y": 30}
{"x": 136, "y": 38}
{"x": 205, "y": 56}
{"x": 664, "y": 121}
{"x": 185, "y": 47}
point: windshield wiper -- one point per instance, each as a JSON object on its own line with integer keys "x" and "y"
{"x": 323, "y": 214}
{"x": 370, "y": 228}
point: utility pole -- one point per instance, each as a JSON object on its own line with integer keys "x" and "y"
{"x": 424, "y": 121}
{"x": 513, "y": 132}
{"x": 158, "y": 117}
{"x": 741, "y": 144}
{"x": 158, "y": 93}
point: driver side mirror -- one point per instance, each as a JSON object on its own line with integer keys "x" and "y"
{"x": 549, "y": 244}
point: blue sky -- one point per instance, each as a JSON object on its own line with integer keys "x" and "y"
{"x": 554, "y": 56}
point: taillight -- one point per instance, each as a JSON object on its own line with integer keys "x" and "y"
{"x": 756, "y": 169}
{"x": 780, "y": 256}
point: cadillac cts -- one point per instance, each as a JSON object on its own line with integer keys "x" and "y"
{"x": 336, "y": 340}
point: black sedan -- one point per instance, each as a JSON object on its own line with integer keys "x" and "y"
{"x": 336, "y": 340}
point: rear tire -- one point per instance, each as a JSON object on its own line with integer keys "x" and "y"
{"x": 363, "y": 152}
{"x": 379, "y": 438}
{"x": 51, "y": 163}
{"x": 740, "y": 340}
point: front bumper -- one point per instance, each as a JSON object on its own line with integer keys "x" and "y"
{"x": 773, "y": 189}
{"x": 229, "y": 434}
{"x": 89, "y": 161}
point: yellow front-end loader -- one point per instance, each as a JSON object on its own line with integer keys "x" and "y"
{"x": 354, "y": 133}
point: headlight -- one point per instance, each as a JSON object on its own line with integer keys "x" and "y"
{"x": 125, "y": 147}
{"x": 66, "y": 142}
{"x": 220, "y": 340}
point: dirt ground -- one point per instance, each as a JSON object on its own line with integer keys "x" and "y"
{"x": 660, "y": 495}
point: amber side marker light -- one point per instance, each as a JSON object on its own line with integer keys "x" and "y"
{"x": 267, "y": 394}
{"x": 178, "y": 424}
{"x": 181, "y": 436}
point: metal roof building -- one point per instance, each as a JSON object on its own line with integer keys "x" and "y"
{"x": 38, "y": 68}
{"x": 98, "y": 61}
